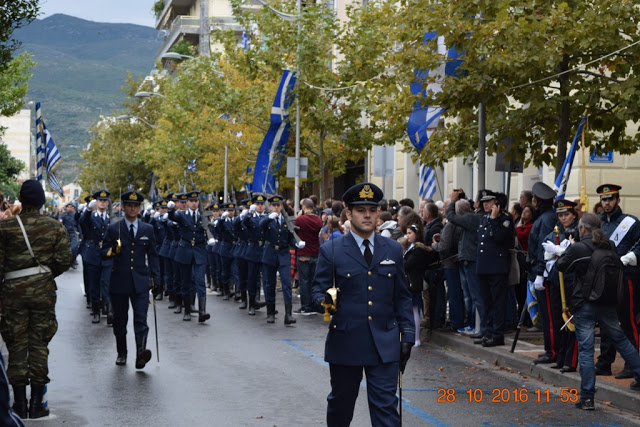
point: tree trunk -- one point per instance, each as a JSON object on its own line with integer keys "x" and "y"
{"x": 564, "y": 127}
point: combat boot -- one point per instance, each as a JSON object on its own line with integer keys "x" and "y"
{"x": 143, "y": 354}
{"x": 95, "y": 311}
{"x": 202, "y": 310}
{"x": 178, "y": 300}
{"x": 227, "y": 292}
{"x": 193, "y": 304}
{"x": 271, "y": 313}
{"x": 243, "y": 297}
{"x": 186, "y": 301}
{"x": 218, "y": 287}
{"x": 288, "y": 317}
{"x": 20, "y": 401}
{"x": 109, "y": 314}
{"x": 37, "y": 408}
{"x": 159, "y": 295}
{"x": 252, "y": 303}
{"x": 172, "y": 300}
{"x": 121, "y": 346}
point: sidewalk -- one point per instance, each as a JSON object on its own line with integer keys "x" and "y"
{"x": 530, "y": 344}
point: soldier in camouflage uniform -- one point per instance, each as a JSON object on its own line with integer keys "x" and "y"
{"x": 28, "y": 295}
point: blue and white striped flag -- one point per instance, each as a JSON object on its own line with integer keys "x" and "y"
{"x": 563, "y": 177}
{"x": 427, "y": 182}
{"x": 275, "y": 141}
{"x": 47, "y": 154}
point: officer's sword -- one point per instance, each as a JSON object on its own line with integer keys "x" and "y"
{"x": 400, "y": 381}
{"x": 155, "y": 320}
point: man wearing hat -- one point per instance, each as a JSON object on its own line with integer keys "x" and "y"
{"x": 496, "y": 236}
{"x": 191, "y": 255}
{"x": 68, "y": 219}
{"x": 254, "y": 250}
{"x": 372, "y": 328}
{"x": 624, "y": 231}
{"x": 276, "y": 258}
{"x": 34, "y": 249}
{"x": 225, "y": 231}
{"x": 82, "y": 248}
{"x": 241, "y": 232}
{"x": 160, "y": 234}
{"x": 96, "y": 221}
{"x": 555, "y": 244}
{"x": 543, "y": 196}
{"x": 130, "y": 244}
{"x": 213, "y": 250}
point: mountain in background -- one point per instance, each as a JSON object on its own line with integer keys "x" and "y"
{"x": 81, "y": 67}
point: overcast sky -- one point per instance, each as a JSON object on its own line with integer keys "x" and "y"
{"x": 118, "y": 11}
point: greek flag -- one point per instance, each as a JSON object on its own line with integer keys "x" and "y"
{"x": 563, "y": 177}
{"x": 275, "y": 141}
{"x": 47, "y": 154}
{"x": 427, "y": 182}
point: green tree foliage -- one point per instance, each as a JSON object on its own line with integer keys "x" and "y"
{"x": 10, "y": 167}
{"x": 509, "y": 48}
{"x": 13, "y": 14}
{"x": 13, "y": 84}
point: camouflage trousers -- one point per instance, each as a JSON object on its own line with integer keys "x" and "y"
{"x": 28, "y": 323}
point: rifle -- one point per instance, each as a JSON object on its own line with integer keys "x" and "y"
{"x": 520, "y": 323}
{"x": 290, "y": 225}
{"x": 205, "y": 218}
{"x": 155, "y": 320}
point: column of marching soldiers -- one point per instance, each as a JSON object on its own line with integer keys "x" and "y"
{"x": 230, "y": 254}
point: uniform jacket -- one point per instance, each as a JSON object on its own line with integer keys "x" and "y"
{"x": 255, "y": 244}
{"x": 542, "y": 226}
{"x": 225, "y": 231}
{"x": 277, "y": 239}
{"x": 190, "y": 248}
{"x": 158, "y": 231}
{"x": 609, "y": 225}
{"x": 496, "y": 237}
{"x": 49, "y": 241}
{"x": 241, "y": 234}
{"x": 374, "y": 303}
{"x": 96, "y": 230}
{"x": 68, "y": 220}
{"x": 137, "y": 261}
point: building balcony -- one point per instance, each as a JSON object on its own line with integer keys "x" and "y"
{"x": 173, "y": 8}
{"x": 182, "y": 27}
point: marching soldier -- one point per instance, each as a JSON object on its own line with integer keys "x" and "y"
{"x": 34, "y": 249}
{"x": 130, "y": 243}
{"x": 277, "y": 259}
{"x": 68, "y": 219}
{"x": 372, "y": 328}
{"x": 84, "y": 231}
{"x": 225, "y": 231}
{"x": 213, "y": 250}
{"x": 160, "y": 233}
{"x": 240, "y": 253}
{"x": 624, "y": 230}
{"x": 166, "y": 257}
{"x": 191, "y": 255}
{"x": 180, "y": 200}
{"x": 96, "y": 222}
{"x": 254, "y": 250}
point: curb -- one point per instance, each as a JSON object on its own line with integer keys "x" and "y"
{"x": 501, "y": 356}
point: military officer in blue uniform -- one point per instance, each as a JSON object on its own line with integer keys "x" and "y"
{"x": 68, "y": 219}
{"x": 496, "y": 235}
{"x": 165, "y": 252}
{"x": 372, "y": 328}
{"x": 160, "y": 233}
{"x": 624, "y": 231}
{"x": 130, "y": 244}
{"x": 276, "y": 258}
{"x": 225, "y": 231}
{"x": 95, "y": 221}
{"x": 241, "y": 232}
{"x": 191, "y": 255}
{"x": 84, "y": 231}
{"x": 213, "y": 250}
{"x": 180, "y": 201}
{"x": 254, "y": 250}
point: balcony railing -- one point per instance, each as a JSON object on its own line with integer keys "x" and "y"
{"x": 180, "y": 25}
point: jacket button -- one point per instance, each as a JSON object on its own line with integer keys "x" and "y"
{"x": 389, "y": 274}
{"x": 369, "y": 318}
{"x": 133, "y": 244}
{"x": 370, "y": 288}
{"x": 481, "y": 251}
{"x": 370, "y": 303}
{"x": 131, "y": 259}
{"x": 348, "y": 274}
{"x": 334, "y": 326}
{"x": 132, "y": 268}
{"x": 369, "y": 273}
{"x": 131, "y": 252}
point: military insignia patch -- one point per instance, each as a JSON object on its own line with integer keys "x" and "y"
{"x": 103, "y": 194}
{"x": 506, "y": 224}
{"x": 366, "y": 192}
{"x": 133, "y": 196}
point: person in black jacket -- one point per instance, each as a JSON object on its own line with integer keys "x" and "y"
{"x": 585, "y": 314}
{"x": 415, "y": 261}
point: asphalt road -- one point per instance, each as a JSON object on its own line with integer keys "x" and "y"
{"x": 236, "y": 370}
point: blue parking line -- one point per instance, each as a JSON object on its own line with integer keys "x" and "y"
{"x": 406, "y": 404}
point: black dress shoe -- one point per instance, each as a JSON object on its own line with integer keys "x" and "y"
{"x": 635, "y": 386}
{"x": 542, "y": 360}
{"x": 122, "y": 359}
{"x": 493, "y": 342}
{"x": 476, "y": 336}
{"x": 605, "y": 372}
{"x": 624, "y": 374}
{"x": 585, "y": 404}
{"x": 567, "y": 369}
{"x": 481, "y": 340}
{"x": 558, "y": 365}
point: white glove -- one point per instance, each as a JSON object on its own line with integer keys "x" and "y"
{"x": 92, "y": 204}
{"x": 273, "y": 215}
{"x": 548, "y": 256}
{"x": 165, "y": 216}
{"x": 224, "y": 214}
{"x": 211, "y": 241}
{"x": 252, "y": 208}
{"x": 244, "y": 213}
{"x": 301, "y": 244}
{"x": 156, "y": 215}
{"x": 538, "y": 285}
{"x": 215, "y": 223}
{"x": 629, "y": 259}
{"x": 171, "y": 204}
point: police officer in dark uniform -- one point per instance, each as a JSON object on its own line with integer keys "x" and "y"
{"x": 254, "y": 250}
{"x": 130, "y": 244}
{"x": 624, "y": 230}
{"x": 372, "y": 328}
{"x": 496, "y": 235}
{"x": 543, "y": 196}
{"x": 276, "y": 258}
{"x": 95, "y": 223}
{"x": 191, "y": 255}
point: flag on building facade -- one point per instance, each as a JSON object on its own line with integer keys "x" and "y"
{"x": 47, "y": 154}
{"x": 275, "y": 141}
{"x": 563, "y": 177}
{"x": 427, "y": 182}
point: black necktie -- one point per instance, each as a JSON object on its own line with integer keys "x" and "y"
{"x": 368, "y": 255}
{"x": 131, "y": 232}
{"x": 193, "y": 217}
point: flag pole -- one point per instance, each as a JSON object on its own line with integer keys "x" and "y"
{"x": 584, "y": 200}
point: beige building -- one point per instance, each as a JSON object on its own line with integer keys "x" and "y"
{"x": 18, "y": 139}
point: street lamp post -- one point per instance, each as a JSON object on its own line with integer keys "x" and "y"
{"x": 129, "y": 117}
